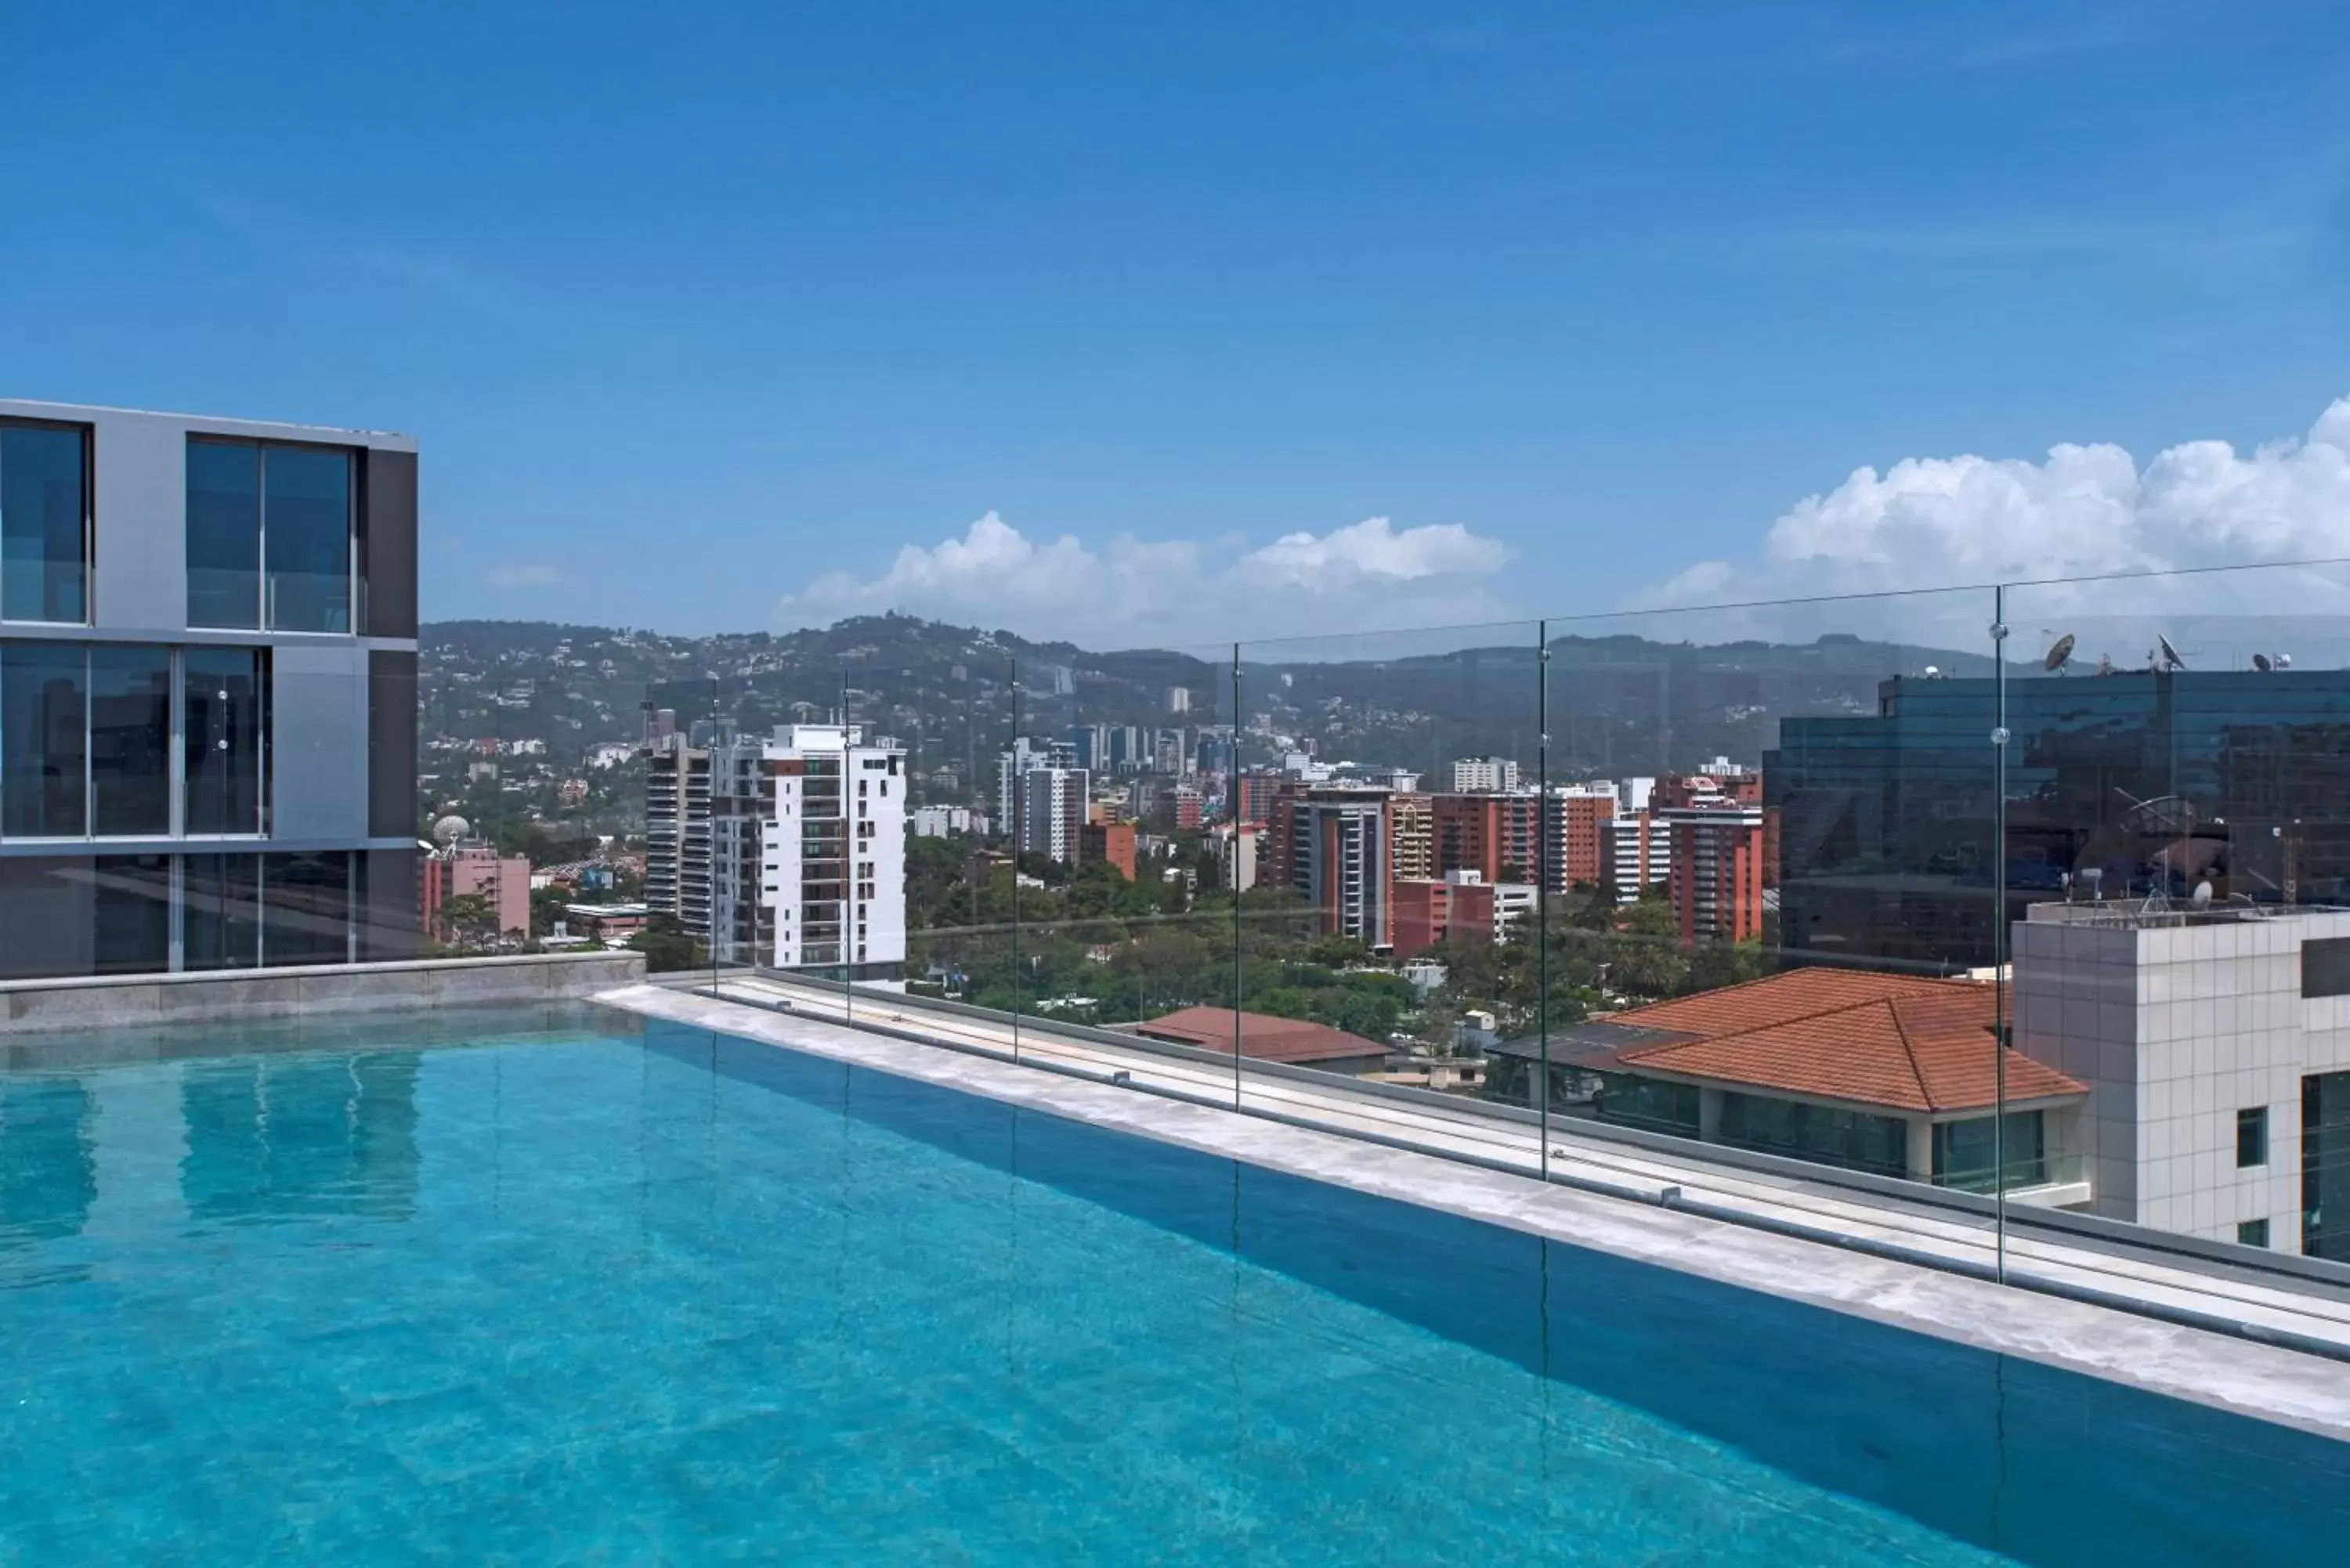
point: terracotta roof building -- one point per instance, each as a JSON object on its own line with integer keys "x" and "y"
{"x": 1874, "y": 1072}
{"x": 1295, "y": 1042}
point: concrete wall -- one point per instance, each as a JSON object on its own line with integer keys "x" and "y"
{"x": 2175, "y": 1029}
{"x": 230, "y": 996}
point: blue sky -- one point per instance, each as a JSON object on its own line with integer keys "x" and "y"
{"x": 703, "y": 314}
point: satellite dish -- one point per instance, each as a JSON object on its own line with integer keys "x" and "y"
{"x": 2261, "y": 662}
{"x": 2201, "y": 898}
{"x": 2059, "y": 655}
{"x": 2285, "y": 662}
{"x": 450, "y": 829}
{"x": 2171, "y": 659}
{"x": 1933, "y": 672}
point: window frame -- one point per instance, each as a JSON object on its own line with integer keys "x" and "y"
{"x": 88, "y": 433}
{"x": 2252, "y": 1120}
{"x": 175, "y": 829}
{"x": 354, "y": 527}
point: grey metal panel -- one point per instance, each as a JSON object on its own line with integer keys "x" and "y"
{"x": 391, "y": 742}
{"x": 319, "y": 741}
{"x": 141, "y": 496}
{"x": 390, "y": 924}
{"x": 388, "y": 545}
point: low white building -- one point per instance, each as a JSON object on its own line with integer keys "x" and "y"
{"x": 808, "y": 851}
{"x": 2215, "y": 1046}
{"x": 938, "y": 821}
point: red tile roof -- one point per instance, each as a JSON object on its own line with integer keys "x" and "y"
{"x": 1894, "y": 1041}
{"x": 1263, "y": 1037}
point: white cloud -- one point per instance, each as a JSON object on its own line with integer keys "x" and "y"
{"x": 528, "y": 574}
{"x": 1130, "y": 591}
{"x": 2084, "y": 512}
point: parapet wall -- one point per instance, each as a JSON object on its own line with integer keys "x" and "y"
{"x": 138, "y": 1000}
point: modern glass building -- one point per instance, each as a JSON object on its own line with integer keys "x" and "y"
{"x": 207, "y": 693}
{"x": 2118, "y": 785}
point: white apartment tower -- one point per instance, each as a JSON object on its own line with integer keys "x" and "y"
{"x": 808, "y": 862}
{"x": 1484, "y": 775}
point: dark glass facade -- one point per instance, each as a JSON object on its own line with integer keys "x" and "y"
{"x": 2150, "y": 780}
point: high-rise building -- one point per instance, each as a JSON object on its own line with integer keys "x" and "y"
{"x": 1183, "y": 807}
{"x": 1484, "y": 775}
{"x": 1884, "y": 823}
{"x": 1027, "y": 755}
{"x": 808, "y": 843}
{"x": 676, "y": 828}
{"x": 1715, "y": 875}
{"x": 1112, "y": 843}
{"x": 1411, "y": 830}
{"x": 1332, "y": 847}
{"x": 1234, "y": 844}
{"x": 208, "y": 680}
{"x": 1046, "y": 809}
{"x": 1179, "y": 699}
{"x": 1253, "y": 794}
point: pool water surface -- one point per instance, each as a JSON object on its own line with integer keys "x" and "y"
{"x": 661, "y": 1295}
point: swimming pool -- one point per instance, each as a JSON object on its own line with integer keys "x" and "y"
{"x": 589, "y": 1292}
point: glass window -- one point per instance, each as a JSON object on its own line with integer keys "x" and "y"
{"x": 43, "y": 522}
{"x": 1965, "y": 1153}
{"x": 44, "y": 732}
{"x": 2326, "y": 1165}
{"x": 221, "y": 927}
{"x": 130, "y": 739}
{"x": 2325, "y": 967}
{"x": 131, "y": 915}
{"x": 225, "y": 693}
{"x": 1854, "y": 1140}
{"x": 307, "y": 526}
{"x": 2252, "y": 1136}
{"x": 306, "y": 908}
{"x": 2252, "y": 1232}
{"x": 224, "y": 534}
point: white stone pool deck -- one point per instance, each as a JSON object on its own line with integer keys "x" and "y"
{"x": 2303, "y": 1390}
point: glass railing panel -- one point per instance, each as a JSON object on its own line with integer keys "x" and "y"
{"x": 1774, "y": 928}
{"x": 2179, "y": 786}
{"x": 1392, "y": 939}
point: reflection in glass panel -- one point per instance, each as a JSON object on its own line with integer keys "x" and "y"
{"x": 221, "y": 925}
{"x": 224, "y": 534}
{"x": 45, "y": 916}
{"x": 44, "y": 783}
{"x": 44, "y": 505}
{"x": 130, "y": 739}
{"x": 130, "y": 916}
{"x": 306, "y": 1135}
{"x": 48, "y": 1173}
{"x": 225, "y": 690}
{"x": 306, "y": 908}
{"x": 306, "y": 521}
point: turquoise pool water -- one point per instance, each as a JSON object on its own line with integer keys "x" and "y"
{"x": 675, "y": 1297}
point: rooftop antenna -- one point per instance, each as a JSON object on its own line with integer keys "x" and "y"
{"x": 2169, "y": 653}
{"x": 2059, "y": 656}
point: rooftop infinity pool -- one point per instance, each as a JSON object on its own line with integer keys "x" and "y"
{"x": 593, "y": 1292}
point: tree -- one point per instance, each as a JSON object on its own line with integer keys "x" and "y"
{"x": 666, "y": 945}
{"x": 469, "y": 920}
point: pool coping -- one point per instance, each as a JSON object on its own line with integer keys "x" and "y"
{"x": 2239, "y": 1376}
